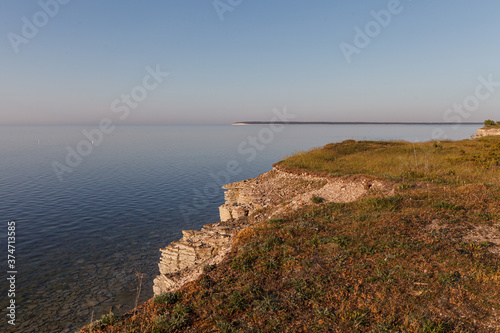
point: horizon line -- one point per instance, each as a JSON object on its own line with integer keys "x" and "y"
{"x": 267, "y": 123}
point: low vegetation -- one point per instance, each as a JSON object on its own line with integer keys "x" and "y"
{"x": 406, "y": 262}
{"x": 438, "y": 162}
{"x": 491, "y": 123}
{"x": 316, "y": 199}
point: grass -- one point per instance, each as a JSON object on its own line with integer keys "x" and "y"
{"x": 445, "y": 162}
{"x": 397, "y": 263}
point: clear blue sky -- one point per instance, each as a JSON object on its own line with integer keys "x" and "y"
{"x": 263, "y": 55}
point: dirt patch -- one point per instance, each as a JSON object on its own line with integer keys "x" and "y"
{"x": 486, "y": 235}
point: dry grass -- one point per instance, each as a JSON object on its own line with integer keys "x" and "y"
{"x": 446, "y": 162}
{"x": 403, "y": 263}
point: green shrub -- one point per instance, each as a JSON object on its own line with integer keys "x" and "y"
{"x": 182, "y": 309}
{"x": 108, "y": 319}
{"x": 404, "y": 186}
{"x": 244, "y": 261}
{"x": 225, "y": 327}
{"x": 162, "y": 320}
{"x": 489, "y": 122}
{"x": 236, "y": 302}
{"x": 430, "y": 326}
{"x": 167, "y": 298}
{"x": 172, "y": 321}
{"x": 208, "y": 268}
{"x": 316, "y": 199}
{"x": 447, "y": 206}
{"x": 205, "y": 281}
{"x": 341, "y": 241}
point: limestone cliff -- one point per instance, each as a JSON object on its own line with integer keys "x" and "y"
{"x": 247, "y": 202}
{"x": 486, "y": 132}
{"x": 183, "y": 261}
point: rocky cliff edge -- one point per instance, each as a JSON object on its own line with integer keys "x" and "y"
{"x": 486, "y": 132}
{"x": 247, "y": 202}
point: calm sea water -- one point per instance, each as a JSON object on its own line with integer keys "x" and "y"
{"x": 82, "y": 243}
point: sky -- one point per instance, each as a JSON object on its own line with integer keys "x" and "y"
{"x": 223, "y": 61}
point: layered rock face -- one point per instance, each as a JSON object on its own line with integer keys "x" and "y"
{"x": 183, "y": 261}
{"x": 486, "y": 132}
{"x": 249, "y": 201}
{"x": 282, "y": 191}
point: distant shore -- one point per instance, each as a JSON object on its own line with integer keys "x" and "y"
{"x": 349, "y": 123}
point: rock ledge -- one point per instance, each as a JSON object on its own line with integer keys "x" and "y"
{"x": 486, "y": 132}
{"x": 271, "y": 194}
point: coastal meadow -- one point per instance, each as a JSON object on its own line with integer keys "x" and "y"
{"x": 423, "y": 258}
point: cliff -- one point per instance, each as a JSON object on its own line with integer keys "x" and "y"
{"x": 247, "y": 202}
{"x": 486, "y": 131}
{"x": 415, "y": 250}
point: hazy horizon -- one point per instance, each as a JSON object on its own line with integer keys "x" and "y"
{"x": 215, "y": 63}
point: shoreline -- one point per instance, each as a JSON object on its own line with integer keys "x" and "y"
{"x": 314, "y": 214}
{"x": 248, "y": 202}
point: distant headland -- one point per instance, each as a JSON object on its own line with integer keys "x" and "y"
{"x": 350, "y": 123}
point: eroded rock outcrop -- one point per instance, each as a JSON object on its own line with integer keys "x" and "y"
{"x": 183, "y": 260}
{"x": 282, "y": 191}
{"x": 486, "y": 132}
{"x": 271, "y": 194}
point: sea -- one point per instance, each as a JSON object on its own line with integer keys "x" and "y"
{"x": 89, "y": 210}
